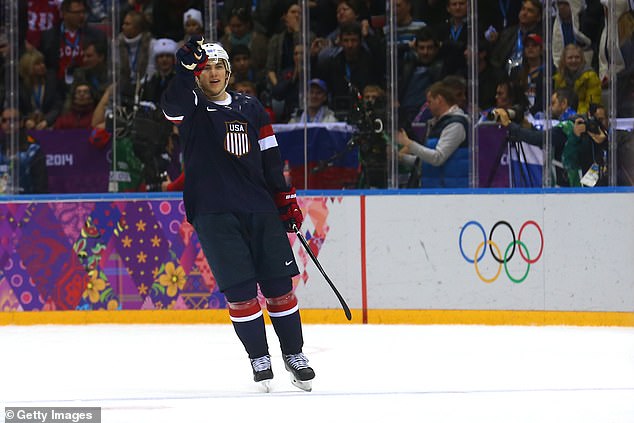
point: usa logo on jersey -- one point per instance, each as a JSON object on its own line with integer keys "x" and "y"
{"x": 237, "y": 138}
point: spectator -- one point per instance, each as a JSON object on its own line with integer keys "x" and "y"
{"x": 266, "y": 14}
{"x": 488, "y": 76}
{"x": 40, "y": 99}
{"x": 33, "y": 177}
{"x": 134, "y": 42}
{"x": 280, "y": 59}
{"x": 242, "y": 68}
{"x": 494, "y": 16}
{"x": 318, "y": 111}
{"x": 146, "y": 7}
{"x": 94, "y": 68}
{"x": 63, "y": 46}
{"x": 529, "y": 76}
{"x": 453, "y": 37}
{"x": 42, "y": 15}
{"x": 163, "y": 51}
{"x": 192, "y": 24}
{"x": 79, "y": 111}
{"x": 353, "y": 65}
{"x": 285, "y": 95}
{"x": 566, "y": 30}
{"x": 406, "y": 25}
{"x": 621, "y": 9}
{"x": 348, "y": 12}
{"x": 445, "y": 154}
{"x": 421, "y": 68}
{"x": 575, "y": 74}
{"x": 591, "y": 24}
{"x": 508, "y": 49}
{"x": 242, "y": 33}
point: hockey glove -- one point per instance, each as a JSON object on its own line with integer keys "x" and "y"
{"x": 289, "y": 210}
{"x": 191, "y": 56}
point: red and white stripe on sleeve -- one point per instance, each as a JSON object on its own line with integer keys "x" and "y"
{"x": 174, "y": 119}
{"x": 267, "y": 138}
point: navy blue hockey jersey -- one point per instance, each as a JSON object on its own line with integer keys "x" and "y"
{"x": 232, "y": 160}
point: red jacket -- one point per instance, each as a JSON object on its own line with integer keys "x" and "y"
{"x": 74, "y": 120}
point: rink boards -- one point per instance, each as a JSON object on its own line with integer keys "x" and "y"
{"x": 529, "y": 257}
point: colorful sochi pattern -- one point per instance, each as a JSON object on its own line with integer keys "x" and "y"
{"x": 120, "y": 255}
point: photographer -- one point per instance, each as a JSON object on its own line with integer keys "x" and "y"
{"x": 585, "y": 154}
{"x": 566, "y": 146}
{"x": 445, "y": 153}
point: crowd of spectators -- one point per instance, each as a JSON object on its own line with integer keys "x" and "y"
{"x": 64, "y": 59}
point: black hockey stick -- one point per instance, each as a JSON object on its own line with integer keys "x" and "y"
{"x": 346, "y": 309}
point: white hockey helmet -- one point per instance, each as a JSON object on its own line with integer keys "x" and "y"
{"x": 215, "y": 52}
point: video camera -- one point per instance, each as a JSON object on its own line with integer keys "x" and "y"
{"x": 367, "y": 118}
{"x": 363, "y": 115}
{"x": 516, "y": 114}
{"x": 143, "y": 123}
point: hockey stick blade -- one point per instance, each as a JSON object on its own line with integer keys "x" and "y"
{"x": 346, "y": 309}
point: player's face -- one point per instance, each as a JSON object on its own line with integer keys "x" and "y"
{"x": 213, "y": 80}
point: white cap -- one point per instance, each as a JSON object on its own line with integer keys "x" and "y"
{"x": 164, "y": 46}
{"x": 194, "y": 14}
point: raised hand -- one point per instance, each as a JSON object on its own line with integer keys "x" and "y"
{"x": 191, "y": 56}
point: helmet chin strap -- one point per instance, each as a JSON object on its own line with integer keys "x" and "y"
{"x": 227, "y": 79}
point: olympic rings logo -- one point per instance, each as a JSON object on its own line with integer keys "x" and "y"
{"x": 496, "y": 253}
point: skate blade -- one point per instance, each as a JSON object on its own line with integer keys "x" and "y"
{"x": 264, "y": 385}
{"x": 303, "y": 385}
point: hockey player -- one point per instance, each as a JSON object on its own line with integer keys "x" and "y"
{"x": 239, "y": 204}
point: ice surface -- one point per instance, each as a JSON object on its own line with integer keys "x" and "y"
{"x": 365, "y": 373}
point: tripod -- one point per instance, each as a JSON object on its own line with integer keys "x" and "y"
{"x": 512, "y": 147}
